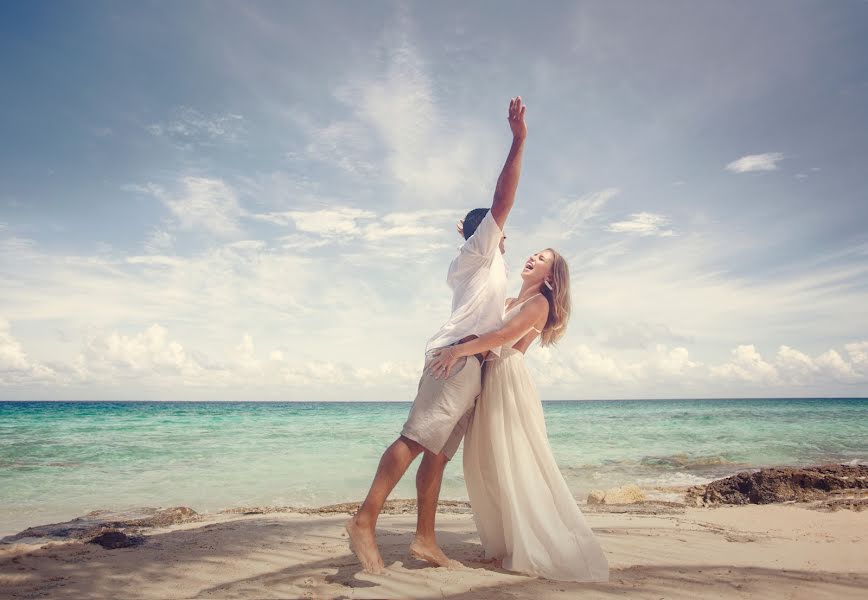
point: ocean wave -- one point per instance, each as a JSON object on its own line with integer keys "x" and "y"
{"x": 681, "y": 462}
{"x": 669, "y": 480}
{"x": 685, "y": 461}
{"x": 15, "y": 464}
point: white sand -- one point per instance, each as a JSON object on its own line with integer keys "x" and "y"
{"x": 758, "y": 552}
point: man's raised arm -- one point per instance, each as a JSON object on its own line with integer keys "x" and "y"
{"x": 507, "y": 183}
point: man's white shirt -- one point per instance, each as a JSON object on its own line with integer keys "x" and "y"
{"x": 477, "y": 277}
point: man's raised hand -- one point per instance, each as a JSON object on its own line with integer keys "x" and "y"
{"x": 516, "y": 118}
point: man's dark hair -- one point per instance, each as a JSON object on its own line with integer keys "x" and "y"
{"x": 472, "y": 221}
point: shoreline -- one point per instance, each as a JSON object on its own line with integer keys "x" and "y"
{"x": 630, "y": 494}
{"x": 146, "y": 517}
{"x": 654, "y": 550}
{"x": 778, "y": 533}
{"x": 394, "y": 506}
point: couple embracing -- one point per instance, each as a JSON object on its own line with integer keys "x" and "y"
{"x": 476, "y": 387}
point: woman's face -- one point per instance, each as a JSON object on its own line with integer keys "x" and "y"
{"x": 538, "y": 266}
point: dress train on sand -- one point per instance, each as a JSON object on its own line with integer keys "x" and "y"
{"x": 523, "y": 509}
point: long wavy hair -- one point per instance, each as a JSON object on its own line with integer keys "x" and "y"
{"x": 559, "y": 301}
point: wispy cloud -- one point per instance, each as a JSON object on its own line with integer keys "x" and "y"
{"x": 589, "y": 206}
{"x": 400, "y": 132}
{"x": 346, "y": 223}
{"x": 332, "y": 222}
{"x": 346, "y": 145}
{"x": 571, "y": 217}
{"x": 158, "y": 240}
{"x": 643, "y": 223}
{"x": 202, "y": 203}
{"x": 188, "y": 127}
{"x": 756, "y": 162}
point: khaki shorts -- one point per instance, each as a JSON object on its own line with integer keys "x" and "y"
{"x": 443, "y": 408}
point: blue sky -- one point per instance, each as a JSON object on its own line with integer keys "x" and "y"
{"x": 256, "y": 200}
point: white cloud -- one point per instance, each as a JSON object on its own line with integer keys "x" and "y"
{"x": 643, "y": 223}
{"x": 346, "y": 223}
{"x": 149, "y": 353}
{"x": 188, "y": 127}
{"x": 202, "y": 204}
{"x": 790, "y": 367}
{"x": 795, "y": 366}
{"x": 632, "y": 335}
{"x": 155, "y": 260}
{"x": 159, "y": 240}
{"x": 756, "y": 162}
{"x": 300, "y": 242}
{"x": 246, "y": 354}
{"x": 247, "y": 245}
{"x": 603, "y": 372}
{"x": 344, "y": 144}
{"x": 576, "y": 212}
{"x": 411, "y": 224}
{"x": 154, "y": 360}
{"x": 16, "y": 368}
{"x": 748, "y": 365}
{"x": 157, "y": 361}
{"x": 571, "y": 217}
{"x": 207, "y": 203}
{"x": 834, "y": 366}
{"x": 858, "y": 352}
{"x": 673, "y": 362}
{"x": 333, "y": 222}
{"x": 12, "y": 356}
{"x": 400, "y": 135}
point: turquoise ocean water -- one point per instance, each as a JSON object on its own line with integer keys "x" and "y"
{"x": 59, "y": 460}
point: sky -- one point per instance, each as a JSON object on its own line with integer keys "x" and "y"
{"x": 257, "y": 200}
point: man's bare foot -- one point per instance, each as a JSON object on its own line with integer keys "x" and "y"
{"x": 431, "y": 552}
{"x": 364, "y": 546}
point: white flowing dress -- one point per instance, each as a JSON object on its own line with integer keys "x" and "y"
{"x": 523, "y": 509}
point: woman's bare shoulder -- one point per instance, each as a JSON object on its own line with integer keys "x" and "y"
{"x": 537, "y": 304}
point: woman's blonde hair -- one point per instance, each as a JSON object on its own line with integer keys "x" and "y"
{"x": 559, "y": 301}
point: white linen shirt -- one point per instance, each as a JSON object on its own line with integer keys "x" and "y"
{"x": 477, "y": 277}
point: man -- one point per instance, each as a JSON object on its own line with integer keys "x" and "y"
{"x": 443, "y": 407}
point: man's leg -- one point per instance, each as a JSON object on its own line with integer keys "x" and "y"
{"x": 428, "y": 481}
{"x": 362, "y": 526}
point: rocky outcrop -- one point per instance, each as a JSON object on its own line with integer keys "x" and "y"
{"x": 782, "y": 484}
{"x": 113, "y": 539}
{"x": 628, "y": 494}
{"x": 102, "y": 526}
{"x": 163, "y": 518}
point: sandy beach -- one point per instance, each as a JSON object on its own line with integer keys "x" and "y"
{"x": 655, "y": 550}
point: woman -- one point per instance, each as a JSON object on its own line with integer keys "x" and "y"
{"x": 523, "y": 509}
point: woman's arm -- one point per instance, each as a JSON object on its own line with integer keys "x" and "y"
{"x": 514, "y": 329}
